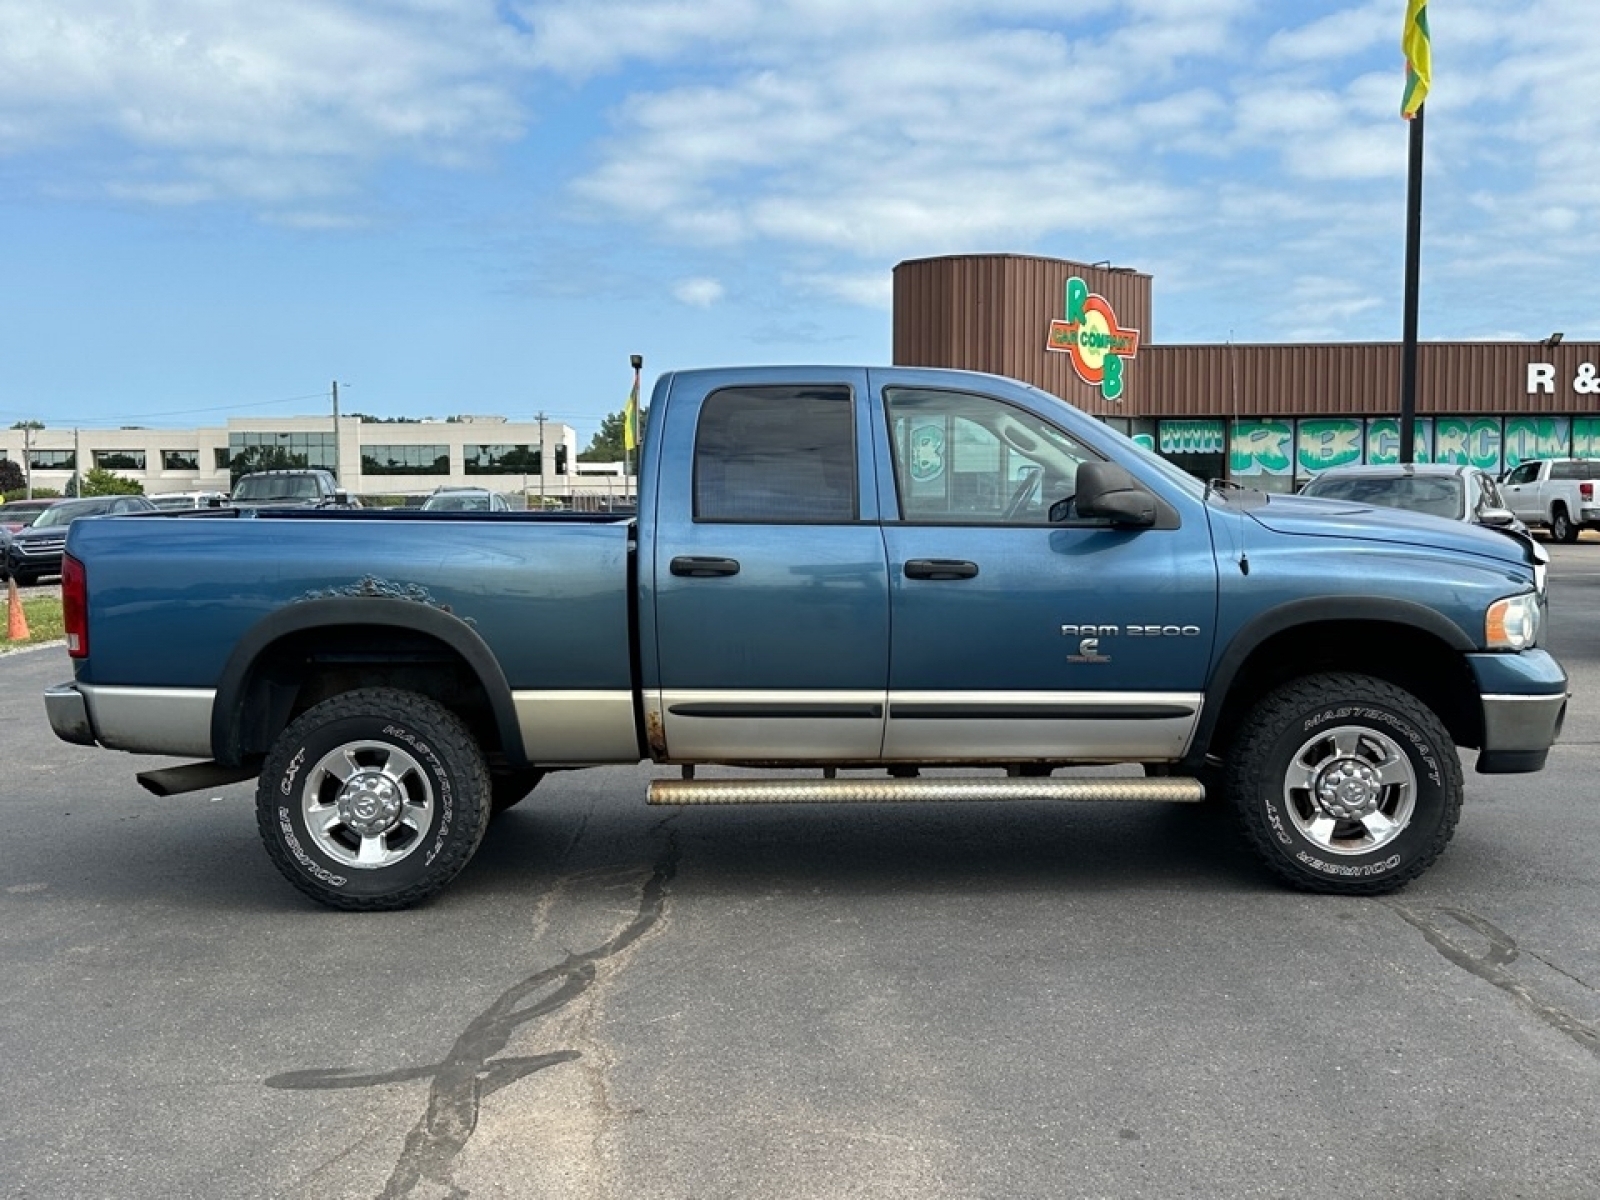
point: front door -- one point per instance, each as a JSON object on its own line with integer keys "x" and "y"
{"x": 1015, "y": 637}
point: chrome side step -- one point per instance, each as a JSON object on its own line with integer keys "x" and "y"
{"x": 901, "y": 791}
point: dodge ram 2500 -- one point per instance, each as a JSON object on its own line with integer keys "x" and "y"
{"x": 879, "y": 584}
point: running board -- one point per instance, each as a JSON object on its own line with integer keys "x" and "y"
{"x": 900, "y": 791}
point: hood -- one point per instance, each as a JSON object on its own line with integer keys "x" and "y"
{"x": 1309, "y": 516}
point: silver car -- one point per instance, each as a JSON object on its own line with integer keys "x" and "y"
{"x": 1451, "y": 490}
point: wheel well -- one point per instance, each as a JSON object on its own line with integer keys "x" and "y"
{"x": 306, "y": 667}
{"x": 1403, "y": 655}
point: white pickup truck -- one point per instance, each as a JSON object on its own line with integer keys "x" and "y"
{"x": 1561, "y": 494}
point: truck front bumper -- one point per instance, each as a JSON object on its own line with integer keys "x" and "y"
{"x": 1524, "y": 700}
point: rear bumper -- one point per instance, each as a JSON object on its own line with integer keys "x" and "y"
{"x": 69, "y": 714}
{"x": 175, "y": 721}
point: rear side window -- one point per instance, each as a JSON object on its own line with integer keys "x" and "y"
{"x": 776, "y": 455}
{"x": 1586, "y": 468}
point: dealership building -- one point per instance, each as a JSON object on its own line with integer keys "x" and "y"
{"x": 1267, "y": 416}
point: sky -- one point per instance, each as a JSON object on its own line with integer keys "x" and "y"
{"x": 213, "y": 209}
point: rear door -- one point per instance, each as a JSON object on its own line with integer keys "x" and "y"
{"x": 769, "y": 575}
{"x": 1016, "y": 637}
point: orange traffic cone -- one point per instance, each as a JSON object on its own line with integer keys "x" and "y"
{"x": 16, "y": 620}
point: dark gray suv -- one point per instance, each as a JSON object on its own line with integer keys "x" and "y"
{"x": 36, "y": 551}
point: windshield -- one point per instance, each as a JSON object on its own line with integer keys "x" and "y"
{"x": 266, "y": 488}
{"x": 1440, "y": 496}
{"x": 66, "y": 514}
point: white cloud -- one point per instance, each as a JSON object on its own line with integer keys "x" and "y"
{"x": 698, "y": 293}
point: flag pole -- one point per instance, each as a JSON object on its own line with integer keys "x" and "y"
{"x": 1408, "y": 344}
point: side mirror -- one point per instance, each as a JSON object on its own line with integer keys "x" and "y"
{"x": 1108, "y": 491}
{"x": 1498, "y": 517}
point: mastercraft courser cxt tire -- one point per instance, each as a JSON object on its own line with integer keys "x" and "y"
{"x": 1345, "y": 784}
{"x": 374, "y": 799}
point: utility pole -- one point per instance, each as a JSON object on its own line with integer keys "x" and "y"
{"x": 77, "y": 466}
{"x": 27, "y": 459}
{"x": 540, "y": 415}
{"x": 338, "y": 475}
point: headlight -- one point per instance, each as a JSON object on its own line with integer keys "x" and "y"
{"x": 1512, "y": 623}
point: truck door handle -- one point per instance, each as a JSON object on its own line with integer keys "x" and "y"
{"x": 940, "y": 568}
{"x": 695, "y": 566}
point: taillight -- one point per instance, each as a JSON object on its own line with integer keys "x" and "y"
{"x": 1586, "y": 490}
{"x": 75, "y": 606}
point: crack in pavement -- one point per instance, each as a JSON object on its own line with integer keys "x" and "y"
{"x": 470, "y": 1072}
{"x": 1491, "y": 966}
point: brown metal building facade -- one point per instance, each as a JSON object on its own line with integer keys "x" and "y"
{"x": 1269, "y": 415}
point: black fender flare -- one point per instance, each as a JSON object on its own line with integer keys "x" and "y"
{"x": 326, "y": 612}
{"x": 1263, "y": 626}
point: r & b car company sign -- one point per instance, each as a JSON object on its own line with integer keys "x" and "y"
{"x": 1094, "y": 341}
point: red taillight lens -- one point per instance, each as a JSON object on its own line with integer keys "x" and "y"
{"x": 1586, "y": 490}
{"x": 75, "y": 606}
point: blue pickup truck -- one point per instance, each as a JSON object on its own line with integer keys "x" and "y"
{"x": 878, "y": 584}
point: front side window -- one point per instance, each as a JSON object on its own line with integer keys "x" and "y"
{"x": 776, "y": 455}
{"x": 964, "y": 458}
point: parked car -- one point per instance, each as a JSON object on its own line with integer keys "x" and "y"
{"x": 36, "y": 551}
{"x": 16, "y": 515}
{"x": 19, "y": 514}
{"x": 308, "y": 487}
{"x": 181, "y": 500}
{"x": 1559, "y": 494}
{"x": 465, "y": 499}
{"x": 1458, "y": 492}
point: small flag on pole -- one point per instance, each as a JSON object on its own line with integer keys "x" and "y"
{"x": 1418, "y": 47}
{"x": 630, "y": 419}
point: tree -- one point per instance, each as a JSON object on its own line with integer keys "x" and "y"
{"x": 100, "y": 482}
{"x": 607, "y": 443}
{"x": 11, "y": 477}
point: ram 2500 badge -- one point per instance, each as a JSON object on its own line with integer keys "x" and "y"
{"x": 847, "y": 576}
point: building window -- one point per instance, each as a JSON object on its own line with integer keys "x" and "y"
{"x": 405, "y": 460}
{"x": 500, "y": 460}
{"x": 52, "y": 460}
{"x": 249, "y": 452}
{"x": 118, "y": 460}
{"x": 182, "y": 460}
{"x": 220, "y": 458}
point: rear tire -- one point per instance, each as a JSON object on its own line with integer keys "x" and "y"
{"x": 1562, "y": 528}
{"x": 374, "y": 799}
{"x": 1345, "y": 784}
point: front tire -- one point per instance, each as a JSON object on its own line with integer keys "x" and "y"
{"x": 374, "y": 799}
{"x": 1345, "y": 784}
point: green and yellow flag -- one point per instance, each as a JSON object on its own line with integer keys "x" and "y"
{"x": 630, "y": 419}
{"x": 1418, "y": 49}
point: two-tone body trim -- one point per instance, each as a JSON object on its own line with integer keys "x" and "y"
{"x": 1077, "y": 725}
{"x": 576, "y": 728}
{"x": 922, "y": 726}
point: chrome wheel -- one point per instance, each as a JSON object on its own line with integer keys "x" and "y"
{"x": 367, "y": 804}
{"x": 1350, "y": 790}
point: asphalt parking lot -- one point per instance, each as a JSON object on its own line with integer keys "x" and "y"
{"x": 940, "y": 1001}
